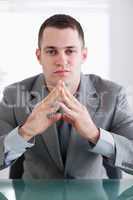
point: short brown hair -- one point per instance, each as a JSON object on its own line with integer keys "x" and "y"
{"x": 61, "y": 21}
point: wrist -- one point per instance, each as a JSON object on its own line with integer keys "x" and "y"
{"x": 95, "y": 136}
{"x": 24, "y": 132}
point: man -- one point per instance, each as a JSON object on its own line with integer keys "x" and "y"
{"x": 63, "y": 122}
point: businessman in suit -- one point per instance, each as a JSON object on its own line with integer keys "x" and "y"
{"x": 65, "y": 123}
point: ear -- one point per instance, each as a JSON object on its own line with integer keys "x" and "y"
{"x": 38, "y": 55}
{"x": 84, "y": 54}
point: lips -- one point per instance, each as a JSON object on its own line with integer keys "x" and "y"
{"x": 61, "y": 71}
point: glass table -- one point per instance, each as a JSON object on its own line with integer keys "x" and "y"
{"x": 92, "y": 189}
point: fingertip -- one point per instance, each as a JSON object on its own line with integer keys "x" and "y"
{"x": 58, "y": 116}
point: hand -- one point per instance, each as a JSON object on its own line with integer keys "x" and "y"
{"x": 77, "y": 114}
{"x": 43, "y": 115}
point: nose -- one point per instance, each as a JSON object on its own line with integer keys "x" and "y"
{"x": 61, "y": 59}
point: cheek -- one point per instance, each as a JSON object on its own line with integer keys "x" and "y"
{"x": 72, "y": 60}
{"x": 47, "y": 64}
{"x": 47, "y": 68}
{"x": 46, "y": 60}
{"x": 76, "y": 61}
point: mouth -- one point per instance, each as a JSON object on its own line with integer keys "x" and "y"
{"x": 62, "y": 72}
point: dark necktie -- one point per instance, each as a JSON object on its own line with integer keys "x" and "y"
{"x": 64, "y": 130}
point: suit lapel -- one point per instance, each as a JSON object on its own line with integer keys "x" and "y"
{"x": 38, "y": 93}
{"x": 87, "y": 96}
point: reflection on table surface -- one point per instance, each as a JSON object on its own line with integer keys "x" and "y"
{"x": 66, "y": 189}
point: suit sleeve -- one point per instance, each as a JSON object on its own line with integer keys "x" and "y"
{"x": 122, "y": 132}
{"x": 7, "y": 123}
{"x": 15, "y": 146}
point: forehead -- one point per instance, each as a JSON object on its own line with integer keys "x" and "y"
{"x": 60, "y": 37}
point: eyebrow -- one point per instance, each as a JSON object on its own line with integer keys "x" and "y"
{"x": 54, "y": 47}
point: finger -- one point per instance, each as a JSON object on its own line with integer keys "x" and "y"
{"x": 70, "y": 113}
{"x": 52, "y": 97}
{"x": 67, "y": 119}
{"x": 54, "y": 116}
{"x": 69, "y": 102}
{"x": 69, "y": 95}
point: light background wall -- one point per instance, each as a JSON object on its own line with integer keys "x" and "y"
{"x": 108, "y": 32}
{"x": 19, "y": 29}
{"x": 121, "y": 45}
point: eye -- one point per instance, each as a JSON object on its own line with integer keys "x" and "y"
{"x": 70, "y": 51}
{"x": 51, "y": 52}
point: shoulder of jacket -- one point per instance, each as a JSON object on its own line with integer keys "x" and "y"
{"x": 102, "y": 84}
{"x": 25, "y": 84}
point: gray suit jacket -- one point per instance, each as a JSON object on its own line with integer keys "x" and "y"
{"x": 108, "y": 108}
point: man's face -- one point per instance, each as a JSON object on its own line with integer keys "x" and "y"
{"x": 61, "y": 55}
